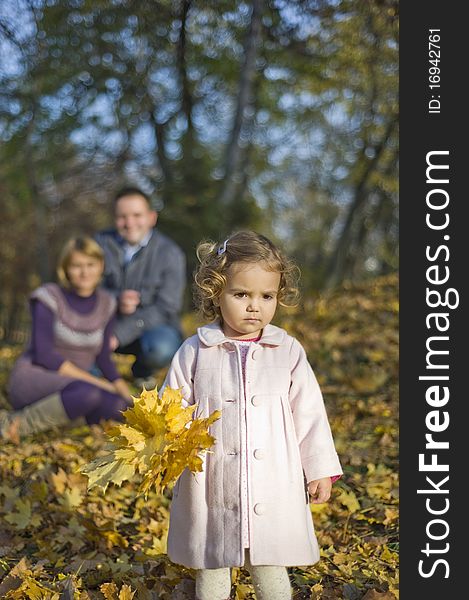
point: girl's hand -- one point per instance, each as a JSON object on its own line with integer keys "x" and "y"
{"x": 320, "y": 490}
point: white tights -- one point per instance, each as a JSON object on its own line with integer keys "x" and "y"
{"x": 270, "y": 583}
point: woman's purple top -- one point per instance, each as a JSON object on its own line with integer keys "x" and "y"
{"x": 42, "y": 348}
{"x": 64, "y": 327}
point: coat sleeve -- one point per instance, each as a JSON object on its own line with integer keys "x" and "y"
{"x": 182, "y": 369}
{"x": 318, "y": 455}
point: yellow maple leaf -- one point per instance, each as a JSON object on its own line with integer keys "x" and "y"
{"x": 158, "y": 440}
{"x": 103, "y": 471}
{"x": 71, "y": 498}
{"x": 109, "y": 590}
{"x": 243, "y": 591}
{"x": 134, "y": 437}
{"x": 23, "y": 517}
{"x": 176, "y": 418}
{"x": 32, "y": 589}
{"x": 349, "y": 500}
{"x": 59, "y": 480}
{"x": 126, "y": 592}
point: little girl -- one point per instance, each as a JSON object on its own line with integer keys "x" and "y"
{"x": 248, "y": 506}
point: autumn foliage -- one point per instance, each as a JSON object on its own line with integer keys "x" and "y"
{"x": 158, "y": 440}
{"x": 58, "y": 540}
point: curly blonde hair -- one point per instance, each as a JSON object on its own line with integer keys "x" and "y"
{"x": 246, "y": 247}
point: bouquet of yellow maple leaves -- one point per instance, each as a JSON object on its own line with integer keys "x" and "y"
{"x": 157, "y": 441}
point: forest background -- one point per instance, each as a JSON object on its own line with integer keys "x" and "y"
{"x": 280, "y": 116}
{"x": 276, "y": 115}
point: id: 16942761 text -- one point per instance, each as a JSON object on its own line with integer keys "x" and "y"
{"x": 434, "y": 57}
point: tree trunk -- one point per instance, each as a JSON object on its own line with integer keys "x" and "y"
{"x": 234, "y": 152}
{"x": 337, "y": 268}
{"x": 40, "y": 211}
{"x": 186, "y": 97}
{"x": 158, "y": 129}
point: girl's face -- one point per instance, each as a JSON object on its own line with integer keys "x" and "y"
{"x": 84, "y": 273}
{"x": 248, "y": 302}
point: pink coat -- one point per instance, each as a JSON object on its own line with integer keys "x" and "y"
{"x": 288, "y": 434}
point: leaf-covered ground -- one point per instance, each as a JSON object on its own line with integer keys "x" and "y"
{"x": 58, "y": 541}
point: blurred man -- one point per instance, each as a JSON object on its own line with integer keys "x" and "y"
{"x": 146, "y": 272}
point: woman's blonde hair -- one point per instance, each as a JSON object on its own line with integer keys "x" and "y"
{"x": 246, "y": 247}
{"x": 86, "y": 246}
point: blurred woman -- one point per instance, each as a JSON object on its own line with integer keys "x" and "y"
{"x": 51, "y": 384}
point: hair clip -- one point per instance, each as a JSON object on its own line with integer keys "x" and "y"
{"x": 222, "y": 249}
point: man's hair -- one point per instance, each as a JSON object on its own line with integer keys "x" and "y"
{"x": 132, "y": 191}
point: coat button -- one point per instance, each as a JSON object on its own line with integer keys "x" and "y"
{"x": 256, "y": 401}
{"x": 260, "y": 509}
{"x": 259, "y": 454}
{"x": 255, "y": 355}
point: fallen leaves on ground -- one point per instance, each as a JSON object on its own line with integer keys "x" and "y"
{"x": 59, "y": 541}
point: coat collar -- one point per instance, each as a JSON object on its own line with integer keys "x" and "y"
{"x": 212, "y": 335}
